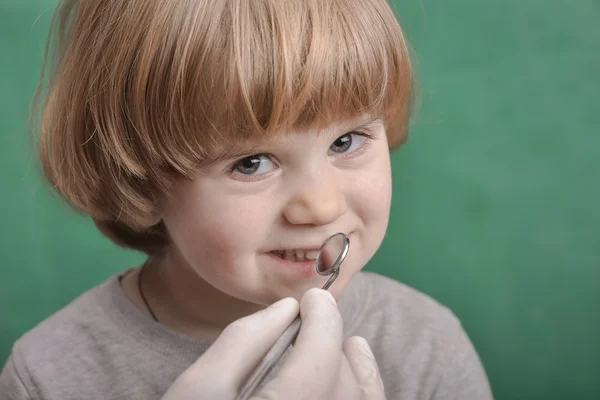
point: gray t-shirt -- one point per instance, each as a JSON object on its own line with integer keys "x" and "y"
{"x": 101, "y": 346}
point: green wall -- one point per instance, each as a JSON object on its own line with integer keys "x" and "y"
{"x": 496, "y": 195}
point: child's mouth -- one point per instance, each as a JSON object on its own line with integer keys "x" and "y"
{"x": 296, "y": 255}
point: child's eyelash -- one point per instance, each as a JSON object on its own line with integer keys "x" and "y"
{"x": 369, "y": 136}
{"x": 368, "y": 141}
{"x": 231, "y": 168}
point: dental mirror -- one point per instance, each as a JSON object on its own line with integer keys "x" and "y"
{"x": 331, "y": 255}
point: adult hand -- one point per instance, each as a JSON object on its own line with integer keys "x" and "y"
{"x": 320, "y": 366}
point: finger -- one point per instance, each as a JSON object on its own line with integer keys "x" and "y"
{"x": 313, "y": 365}
{"x": 346, "y": 387}
{"x": 363, "y": 364}
{"x": 243, "y": 343}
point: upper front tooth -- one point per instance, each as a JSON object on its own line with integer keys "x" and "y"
{"x": 289, "y": 254}
{"x": 299, "y": 254}
{"x": 311, "y": 255}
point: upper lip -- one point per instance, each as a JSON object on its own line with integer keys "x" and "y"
{"x": 306, "y": 248}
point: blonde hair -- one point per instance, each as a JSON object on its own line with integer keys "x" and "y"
{"x": 142, "y": 92}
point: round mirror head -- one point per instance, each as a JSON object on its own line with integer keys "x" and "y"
{"x": 332, "y": 254}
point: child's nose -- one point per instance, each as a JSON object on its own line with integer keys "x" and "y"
{"x": 319, "y": 203}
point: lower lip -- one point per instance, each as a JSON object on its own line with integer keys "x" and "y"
{"x": 302, "y": 268}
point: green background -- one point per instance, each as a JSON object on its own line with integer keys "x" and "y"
{"x": 496, "y": 195}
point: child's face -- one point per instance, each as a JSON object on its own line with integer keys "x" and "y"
{"x": 292, "y": 192}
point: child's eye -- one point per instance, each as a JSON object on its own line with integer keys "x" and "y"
{"x": 349, "y": 142}
{"x": 257, "y": 164}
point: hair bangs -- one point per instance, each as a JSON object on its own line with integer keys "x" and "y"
{"x": 262, "y": 68}
{"x": 307, "y": 64}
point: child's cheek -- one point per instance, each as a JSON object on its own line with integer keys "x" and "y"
{"x": 373, "y": 199}
{"x": 372, "y": 205}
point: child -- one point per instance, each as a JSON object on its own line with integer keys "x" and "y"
{"x": 227, "y": 139}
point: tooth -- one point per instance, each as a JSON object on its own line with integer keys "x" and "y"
{"x": 290, "y": 255}
{"x": 300, "y": 255}
{"x": 311, "y": 255}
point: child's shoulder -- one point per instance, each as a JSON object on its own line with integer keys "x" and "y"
{"x": 97, "y": 346}
{"x": 389, "y": 301}
{"x": 77, "y": 317}
{"x": 419, "y": 344}
{"x": 56, "y": 344}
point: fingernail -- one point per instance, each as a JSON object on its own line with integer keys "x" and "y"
{"x": 363, "y": 345}
{"x": 366, "y": 368}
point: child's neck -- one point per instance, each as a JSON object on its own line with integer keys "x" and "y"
{"x": 184, "y": 302}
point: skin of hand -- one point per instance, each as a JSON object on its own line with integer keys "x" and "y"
{"x": 320, "y": 366}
